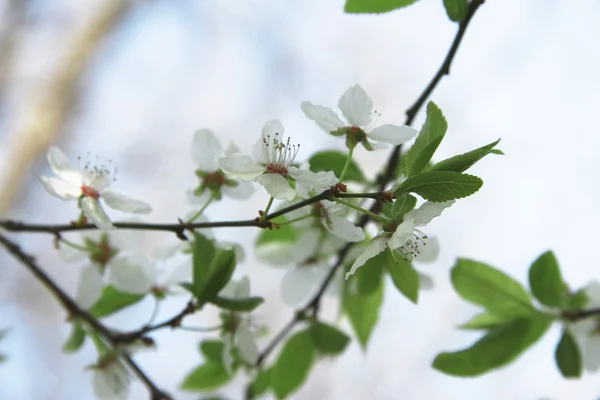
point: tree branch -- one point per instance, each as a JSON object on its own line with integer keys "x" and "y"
{"x": 384, "y": 179}
{"x": 76, "y": 312}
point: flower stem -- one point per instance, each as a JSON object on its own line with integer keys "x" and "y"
{"x": 269, "y": 204}
{"x": 347, "y": 165}
{"x": 294, "y": 220}
{"x": 199, "y": 329}
{"x": 74, "y": 245}
{"x": 201, "y": 210}
{"x": 360, "y": 209}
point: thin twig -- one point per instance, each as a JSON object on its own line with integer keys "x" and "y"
{"x": 78, "y": 313}
{"x": 384, "y": 178}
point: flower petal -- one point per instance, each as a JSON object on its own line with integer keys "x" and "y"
{"x": 232, "y": 149}
{"x": 325, "y": 117}
{"x": 428, "y": 211}
{"x": 242, "y": 289}
{"x": 111, "y": 382}
{"x": 430, "y": 251}
{"x": 300, "y": 283}
{"x": 241, "y": 166}
{"x": 246, "y": 344}
{"x": 404, "y": 232}
{"x": 345, "y": 229}
{"x": 179, "y": 274}
{"x": 277, "y": 254}
{"x": 308, "y": 181}
{"x": 425, "y": 282}
{"x": 123, "y": 203}
{"x": 94, "y": 212}
{"x": 273, "y": 128}
{"x": 89, "y": 288}
{"x": 132, "y": 275}
{"x": 306, "y": 246}
{"x": 205, "y": 150}
{"x": 377, "y": 246}
{"x": 591, "y": 352}
{"x": 226, "y": 355}
{"x": 60, "y": 165}
{"x": 126, "y": 239}
{"x": 277, "y": 186}
{"x": 242, "y": 191}
{"x": 61, "y": 189}
{"x": 70, "y": 254}
{"x": 392, "y": 134}
{"x": 356, "y": 106}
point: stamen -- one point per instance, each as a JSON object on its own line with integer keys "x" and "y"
{"x": 278, "y": 155}
{"x": 412, "y": 248}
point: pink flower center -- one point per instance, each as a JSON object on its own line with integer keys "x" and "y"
{"x": 276, "y": 169}
{"x": 90, "y": 192}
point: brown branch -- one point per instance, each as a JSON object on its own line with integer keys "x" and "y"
{"x": 384, "y": 179}
{"x": 76, "y": 312}
{"x": 46, "y": 115}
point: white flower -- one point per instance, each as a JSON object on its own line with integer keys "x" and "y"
{"x": 428, "y": 255}
{"x": 357, "y": 108}
{"x": 238, "y": 331}
{"x": 205, "y": 151}
{"x": 271, "y": 164}
{"x": 587, "y": 330}
{"x": 110, "y": 380}
{"x": 88, "y": 184}
{"x": 406, "y": 239}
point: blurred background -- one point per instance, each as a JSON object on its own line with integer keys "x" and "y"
{"x": 132, "y": 80}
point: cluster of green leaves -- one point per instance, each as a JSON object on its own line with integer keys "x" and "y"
{"x": 512, "y": 322}
{"x": 456, "y": 9}
{"x": 445, "y": 180}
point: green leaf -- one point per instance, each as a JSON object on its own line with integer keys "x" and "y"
{"x": 75, "y": 340}
{"x": 362, "y": 310}
{"x": 568, "y": 356}
{"x": 208, "y": 376}
{"x": 577, "y": 300}
{"x": 456, "y": 9}
{"x": 440, "y": 185}
{"x": 293, "y": 365}
{"x": 285, "y": 234}
{"x": 546, "y": 281}
{"x": 493, "y": 289}
{"x": 331, "y": 160}
{"x": 221, "y": 269}
{"x": 262, "y": 383}
{"x": 405, "y": 277}
{"x": 112, "y": 301}
{"x": 203, "y": 255}
{"x": 370, "y": 275}
{"x": 429, "y": 138}
{"x": 498, "y": 347}
{"x": 462, "y": 162}
{"x": 328, "y": 340}
{"x": 245, "y": 304}
{"x": 402, "y": 205}
{"x": 374, "y": 6}
{"x": 212, "y": 350}
{"x": 485, "y": 321}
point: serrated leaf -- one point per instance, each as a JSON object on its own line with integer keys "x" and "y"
{"x": 429, "y": 138}
{"x": 491, "y": 288}
{"x": 456, "y": 9}
{"x": 546, "y": 281}
{"x": 331, "y": 160}
{"x": 238, "y": 304}
{"x": 568, "y": 356}
{"x": 221, "y": 269}
{"x": 497, "y": 151}
{"x": 212, "y": 350}
{"x": 75, "y": 340}
{"x": 328, "y": 340}
{"x": 203, "y": 255}
{"x": 262, "y": 383}
{"x": 362, "y": 310}
{"x": 405, "y": 277}
{"x": 485, "y": 321}
{"x": 293, "y": 365}
{"x": 498, "y": 347}
{"x": 112, "y": 301}
{"x": 440, "y": 186}
{"x": 375, "y": 6}
{"x": 402, "y": 205}
{"x": 462, "y": 162}
{"x": 208, "y": 376}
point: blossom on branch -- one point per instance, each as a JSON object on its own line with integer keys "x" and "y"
{"x": 271, "y": 165}
{"x": 87, "y": 185}
{"x": 110, "y": 380}
{"x": 357, "y": 108}
{"x": 403, "y": 239}
{"x": 587, "y": 330}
